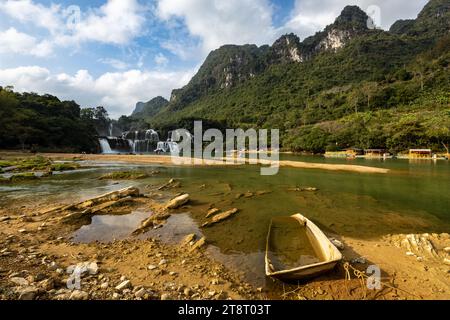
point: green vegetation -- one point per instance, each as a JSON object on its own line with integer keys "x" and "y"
{"x": 23, "y": 177}
{"x": 124, "y": 175}
{"x": 43, "y": 123}
{"x": 380, "y": 90}
{"x": 18, "y": 178}
{"x": 65, "y": 166}
{"x": 37, "y": 163}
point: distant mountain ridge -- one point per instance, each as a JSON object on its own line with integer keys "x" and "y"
{"x": 231, "y": 64}
{"x": 150, "y": 108}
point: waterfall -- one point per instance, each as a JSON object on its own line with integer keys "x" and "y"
{"x": 104, "y": 145}
{"x": 141, "y": 141}
{"x": 111, "y": 129}
{"x": 174, "y": 148}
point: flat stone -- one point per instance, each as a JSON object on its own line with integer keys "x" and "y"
{"x": 83, "y": 267}
{"x": 359, "y": 260}
{"x": 200, "y": 243}
{"x": 79, "y": 295}
{"x": 4, "y": 218}
{"x": 188, "y": 239}
{"x": 47, "y": 284}
{"x": 165, "y": 296}
{"x": 92, "y": 268}
{"x": 104, "y": 285}
{"x": 163, "y": 261}
{"x": 140, "y": 293}
{"x": 28, "y": 293}
{"x": 152, "y": 267}
{"x": 123, "y": 285}
{"x": 338, "y": 244}
{"x": 53, "y": 266}
{"x": 19, "y": 281}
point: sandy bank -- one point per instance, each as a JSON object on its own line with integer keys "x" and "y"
{"x": 167, "y": 160}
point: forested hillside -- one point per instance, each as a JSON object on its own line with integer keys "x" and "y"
{"x": 347, "y": 86}
{"x": 44, "y": 123}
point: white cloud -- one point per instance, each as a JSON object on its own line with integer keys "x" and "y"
{"x": 115, "y": 63}
{"x": 116, "y": 22}
{"x": 26, "y": 11}
{"x": 15, "y": 42}
{"x": 310, "y": 16}
{"x": 117, "y": 91}
{"x": 161, "y": 60}
{"x": 221, "y": 22}
{"x": 217, "y": 22}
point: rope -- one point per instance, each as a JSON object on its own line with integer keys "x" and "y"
{"x": 362, "y": 276}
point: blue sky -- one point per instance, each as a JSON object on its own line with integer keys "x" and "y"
{"x": 117, "y": 52}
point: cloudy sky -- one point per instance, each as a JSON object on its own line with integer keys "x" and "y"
{"x": 117, "y": 52}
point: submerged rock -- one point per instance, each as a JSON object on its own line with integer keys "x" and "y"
{"x": 124, "y": 175}
{"x": 212, "y": 212}
{"x": 220, "y": 217}
{"x": 178, "y": 201}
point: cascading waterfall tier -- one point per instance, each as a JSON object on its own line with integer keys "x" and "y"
{"x": 140, "y": 141}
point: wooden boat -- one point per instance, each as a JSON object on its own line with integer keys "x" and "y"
{"x": 297, "y": 249}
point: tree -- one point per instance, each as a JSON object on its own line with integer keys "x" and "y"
{"x": 369, "y": 89}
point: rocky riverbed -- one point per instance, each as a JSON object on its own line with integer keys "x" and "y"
{"x": 38, "y": 260}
